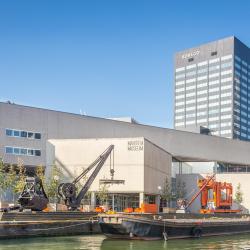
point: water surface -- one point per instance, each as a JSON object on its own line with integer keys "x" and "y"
{"x": 99, "y": 242}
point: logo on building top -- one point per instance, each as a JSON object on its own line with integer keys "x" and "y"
{"x": 190, "y": 54}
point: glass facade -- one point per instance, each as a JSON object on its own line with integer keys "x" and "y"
{"x": 213, "y": 90}
{"x": 203, "y": 93}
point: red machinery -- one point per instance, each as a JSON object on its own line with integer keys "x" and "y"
{"x": 216, "y": 197}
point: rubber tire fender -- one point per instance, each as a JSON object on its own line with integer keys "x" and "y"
{"x": 196, "y": 232}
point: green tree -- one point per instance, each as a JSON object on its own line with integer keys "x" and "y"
{"x": 239, "y": 194}
{"x": 166, "y": 192}
{"x": 3, "y": 181}
{"x": 40, "y": 174}
{"x": 103, "y": 194}
{"x": 53, "y": 182}
{"x": 11, "y": 179}
{"x": 180, "y": 190}
{"x": 21, "y": 177}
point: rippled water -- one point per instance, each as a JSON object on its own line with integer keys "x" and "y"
{"x": 100, "y": 242}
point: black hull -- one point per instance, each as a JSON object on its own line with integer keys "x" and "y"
{"x": 20, "y": 225}
{"x": 146, "y": 229}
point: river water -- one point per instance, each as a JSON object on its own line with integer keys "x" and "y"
{"x": 99, "y": 242}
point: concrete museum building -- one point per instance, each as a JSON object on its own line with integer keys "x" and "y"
{"x": 38, "y": 136}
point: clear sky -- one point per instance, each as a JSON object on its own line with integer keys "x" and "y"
{"x": 106, "y": 58}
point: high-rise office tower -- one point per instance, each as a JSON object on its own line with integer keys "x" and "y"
{"x": 212, "y": 88}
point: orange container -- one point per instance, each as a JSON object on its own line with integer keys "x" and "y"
{"x": 149, "y": 208}
{"x": 137, "y": 210}
{"x": 99, "y": 209}
{"x": 128, "y": 210}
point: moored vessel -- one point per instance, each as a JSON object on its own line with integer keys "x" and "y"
{"x": 124, "y": 226}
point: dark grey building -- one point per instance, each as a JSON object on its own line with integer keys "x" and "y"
{"x": 212, "y": 88}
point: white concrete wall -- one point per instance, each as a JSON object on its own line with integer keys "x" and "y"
{"x": 234, "y": 178}
{"x": 76, "y": 155}
{"x": 142, "y": 165}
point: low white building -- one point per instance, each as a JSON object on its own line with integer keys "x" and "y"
{"x": 140, "y": 163}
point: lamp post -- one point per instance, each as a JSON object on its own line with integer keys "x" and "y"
{"x": 159, "y": 197}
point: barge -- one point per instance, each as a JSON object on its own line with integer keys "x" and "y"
{"x": 125, "y": 226}
{"x": 33, "y": 224}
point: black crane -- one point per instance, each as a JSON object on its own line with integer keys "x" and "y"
{"x": 67, "y": 191}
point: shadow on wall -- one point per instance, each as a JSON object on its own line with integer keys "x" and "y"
{"x": 191, "y": 181}
{"x": 64, "y": 169}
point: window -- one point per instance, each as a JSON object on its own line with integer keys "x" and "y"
{"x": 179, "y": 117}
{"x": 179, "y": 103}
{"x": 214, "y": 60}
{"x": 190, "y": 122}
{"x": 226, "y": 87}
{"x": 179, "y": 83}
{"x": 30, "y": 135}
{"x": 226, "y": 65}
{"x": 228, "y": 79}
{"x": 177, "y": 91}
{"x": 237, "y": 58}
{"x": 23, "y": 134}
{"x": 226, "y": 57}
{"x": 214, "y": 53}
{"x": 30, "y": 152}
{"x": 191, "y": 73}
{"x": 226, "y": 109}
{"x": 16, "y": 151}
{"x": 190, "y": 101}
{"x": 16, "y": 133}
{"x": 190, "y": 87}
{"x": 8, "y": 150}
{"x": 179, "y": 76}
{"x": 38, "y": 136}
{"x": 179, "y": 97}
{"x": 179, "y": 124}
{"x": 202, "y": 63}
{"x": 202, "y": 92}
{"x": 226, "y": 72}
{"x": 213, "y": 104}
{"x": 213, "y": 82}
{"x": 190, "y": 108}
{"x": 180, "y": 69}
{"x": 22, "y": 151}
{"x": 213, "y": 90}
{"x": 9, "y": 132}
{"x": 202, "y": 70}
{"x": 212, "y": 68}
{"x": 214, "y": 75}
{"x": 190, "y": 80}
{"x": 179, "y": 110}
{"x": 202, "y": 85}
{"x": 201, "y": 78}
{"x": 190, "y": 94}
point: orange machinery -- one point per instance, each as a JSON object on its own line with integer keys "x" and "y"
{"x": 216, "y": 197}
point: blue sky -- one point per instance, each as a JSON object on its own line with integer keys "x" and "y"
{"x": 106, "y": 58}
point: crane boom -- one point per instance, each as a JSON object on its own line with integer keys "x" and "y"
{"x": 201, "y": 189}
{"x": 68, "y": 190}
